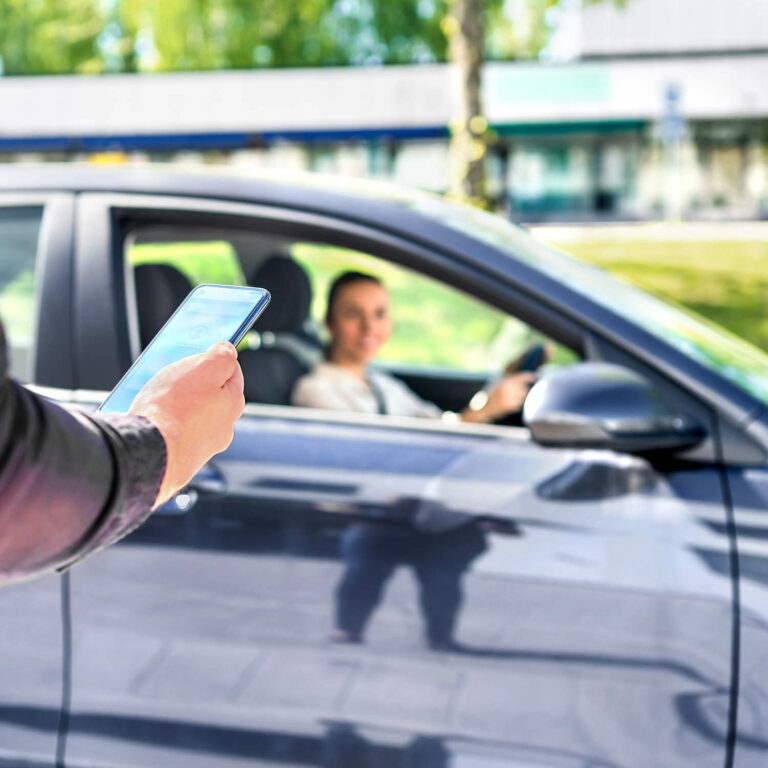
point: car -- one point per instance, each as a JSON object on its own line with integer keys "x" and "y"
{"x": 584, "y": 586}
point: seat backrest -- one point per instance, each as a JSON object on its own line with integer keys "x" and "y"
{"x": 283, "y": 348}
{"x": 289, "y": 311}
{"x": 270, "y": 374}
{"x": 160, "y": 288}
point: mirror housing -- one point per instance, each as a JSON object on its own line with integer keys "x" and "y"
{"x": 601, "y": 405}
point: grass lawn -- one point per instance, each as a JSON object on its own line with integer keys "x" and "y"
{"x": 724, "y": 278}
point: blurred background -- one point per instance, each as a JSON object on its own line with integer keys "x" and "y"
{"x": 631, "y": 134}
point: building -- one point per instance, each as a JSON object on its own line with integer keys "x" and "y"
{"x": 647, "y": 120}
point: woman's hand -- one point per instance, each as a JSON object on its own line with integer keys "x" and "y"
{"x": 506, "y": 397}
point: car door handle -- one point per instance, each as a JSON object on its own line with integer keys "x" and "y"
{"x": 209, "y": 481}
{"x": 180, "y": 504}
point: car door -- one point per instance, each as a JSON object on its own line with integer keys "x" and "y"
{"x": 35, "y": 241}
{"x": 748, "y": 488}
{"x": 516, "y": 604}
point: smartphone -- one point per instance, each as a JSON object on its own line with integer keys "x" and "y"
{"x": 210, "y": 313}
{"x": 532, "y": 358}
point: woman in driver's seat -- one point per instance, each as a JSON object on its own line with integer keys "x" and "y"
{"x": 359, "y": 322}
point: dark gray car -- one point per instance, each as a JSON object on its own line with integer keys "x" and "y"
{"x": 587, "y": 589}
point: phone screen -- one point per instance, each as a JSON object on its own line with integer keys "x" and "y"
{"x": 210, "y": 313}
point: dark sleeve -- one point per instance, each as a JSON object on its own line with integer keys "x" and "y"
{"x": 70, "y": 483}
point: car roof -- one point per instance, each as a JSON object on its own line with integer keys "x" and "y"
{"x": 310, "y": 191}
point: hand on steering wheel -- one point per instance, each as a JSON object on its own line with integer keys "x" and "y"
{"x": 508, "y": 394}
{"x": 500, "y": 401}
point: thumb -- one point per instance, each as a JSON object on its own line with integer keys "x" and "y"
{"x": 219, "y": 362}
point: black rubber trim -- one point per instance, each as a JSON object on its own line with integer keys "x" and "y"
{"x": 66, "y": 670}
{"x": 733, "y": 556}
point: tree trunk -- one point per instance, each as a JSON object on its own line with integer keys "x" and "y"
{"x": 464, "y": 29}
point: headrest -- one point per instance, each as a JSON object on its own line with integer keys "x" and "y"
{"x": 291, "y": 294}
{"x": 160, "y": 288}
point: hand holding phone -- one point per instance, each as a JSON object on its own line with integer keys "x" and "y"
{"x": 194, "y": 403}
{"x": 188, "y": 383}
{"x": 209, "y": 314}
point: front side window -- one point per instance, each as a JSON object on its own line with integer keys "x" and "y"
{"x": 19, "y": 231}
{"x": 434, "y": 325}
{"x": 444, "y": 343}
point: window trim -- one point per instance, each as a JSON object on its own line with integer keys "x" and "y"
{"x": 127, "y": 210}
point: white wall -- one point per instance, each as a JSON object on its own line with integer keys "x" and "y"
{"x": 376, "y": 98}
{"x": 673, "y": 26}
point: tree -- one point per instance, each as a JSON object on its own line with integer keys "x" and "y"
{"x": 50, "y": 36}
{"x": 72, "y": 36}
{"x": 242, "y": 34}
{"x": 477, "y": 30}
{"x": 464, "y": 29}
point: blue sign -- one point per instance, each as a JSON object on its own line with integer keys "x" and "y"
{"x": 672, "y": 122}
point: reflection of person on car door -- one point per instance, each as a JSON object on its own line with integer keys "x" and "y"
{"x": 359, "y": 322}
{"x": 373, "y": 549}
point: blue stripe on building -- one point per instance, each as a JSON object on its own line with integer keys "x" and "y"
{"x": 174, "y": 142}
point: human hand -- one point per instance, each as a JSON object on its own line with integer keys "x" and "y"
{"x": 506, "y": 397}
{"x": 195, "y": 403}
{"x": 509, "y": 395}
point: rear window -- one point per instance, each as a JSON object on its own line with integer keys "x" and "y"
{"x": 19, "y": 233}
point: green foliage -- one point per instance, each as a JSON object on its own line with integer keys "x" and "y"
{"x": 51, "y": 36}
{"x": 519, "y": 37}
{"x": 240, "y": 34}
{"x": 91, "y": 36}
{"x": 408, "y": 31}
{"x": 200, "y": 262}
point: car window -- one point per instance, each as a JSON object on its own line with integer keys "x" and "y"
{"x": 445, "y": 342}
{"x": 206, "y": 261}
{"x": 19, "y": 231}
{"x": 435, "y": 325}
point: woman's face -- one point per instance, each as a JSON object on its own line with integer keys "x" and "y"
{"x": 359, "y": 322}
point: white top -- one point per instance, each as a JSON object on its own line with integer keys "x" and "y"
{"x": 336, "y": 388}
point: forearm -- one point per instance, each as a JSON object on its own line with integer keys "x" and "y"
{"x": 482, "y": 412}
{"x": 69, "y": 484}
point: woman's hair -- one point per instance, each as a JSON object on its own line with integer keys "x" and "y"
{"x": 346, "y": 278}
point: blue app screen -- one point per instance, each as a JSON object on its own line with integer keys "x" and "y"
{"x": 209, "y": 314}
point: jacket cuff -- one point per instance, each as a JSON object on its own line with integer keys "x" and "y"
{"x": 143, "y": 456}
{"x": 139, "y": 455}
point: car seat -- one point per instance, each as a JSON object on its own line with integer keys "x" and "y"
{"x": 284, "y": 346}
{"x": 160, "y": 288}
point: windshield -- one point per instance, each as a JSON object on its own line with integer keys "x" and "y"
{"x": 696, "y": 337}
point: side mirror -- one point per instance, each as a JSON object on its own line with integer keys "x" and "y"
{"x": 600, "y": 405}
